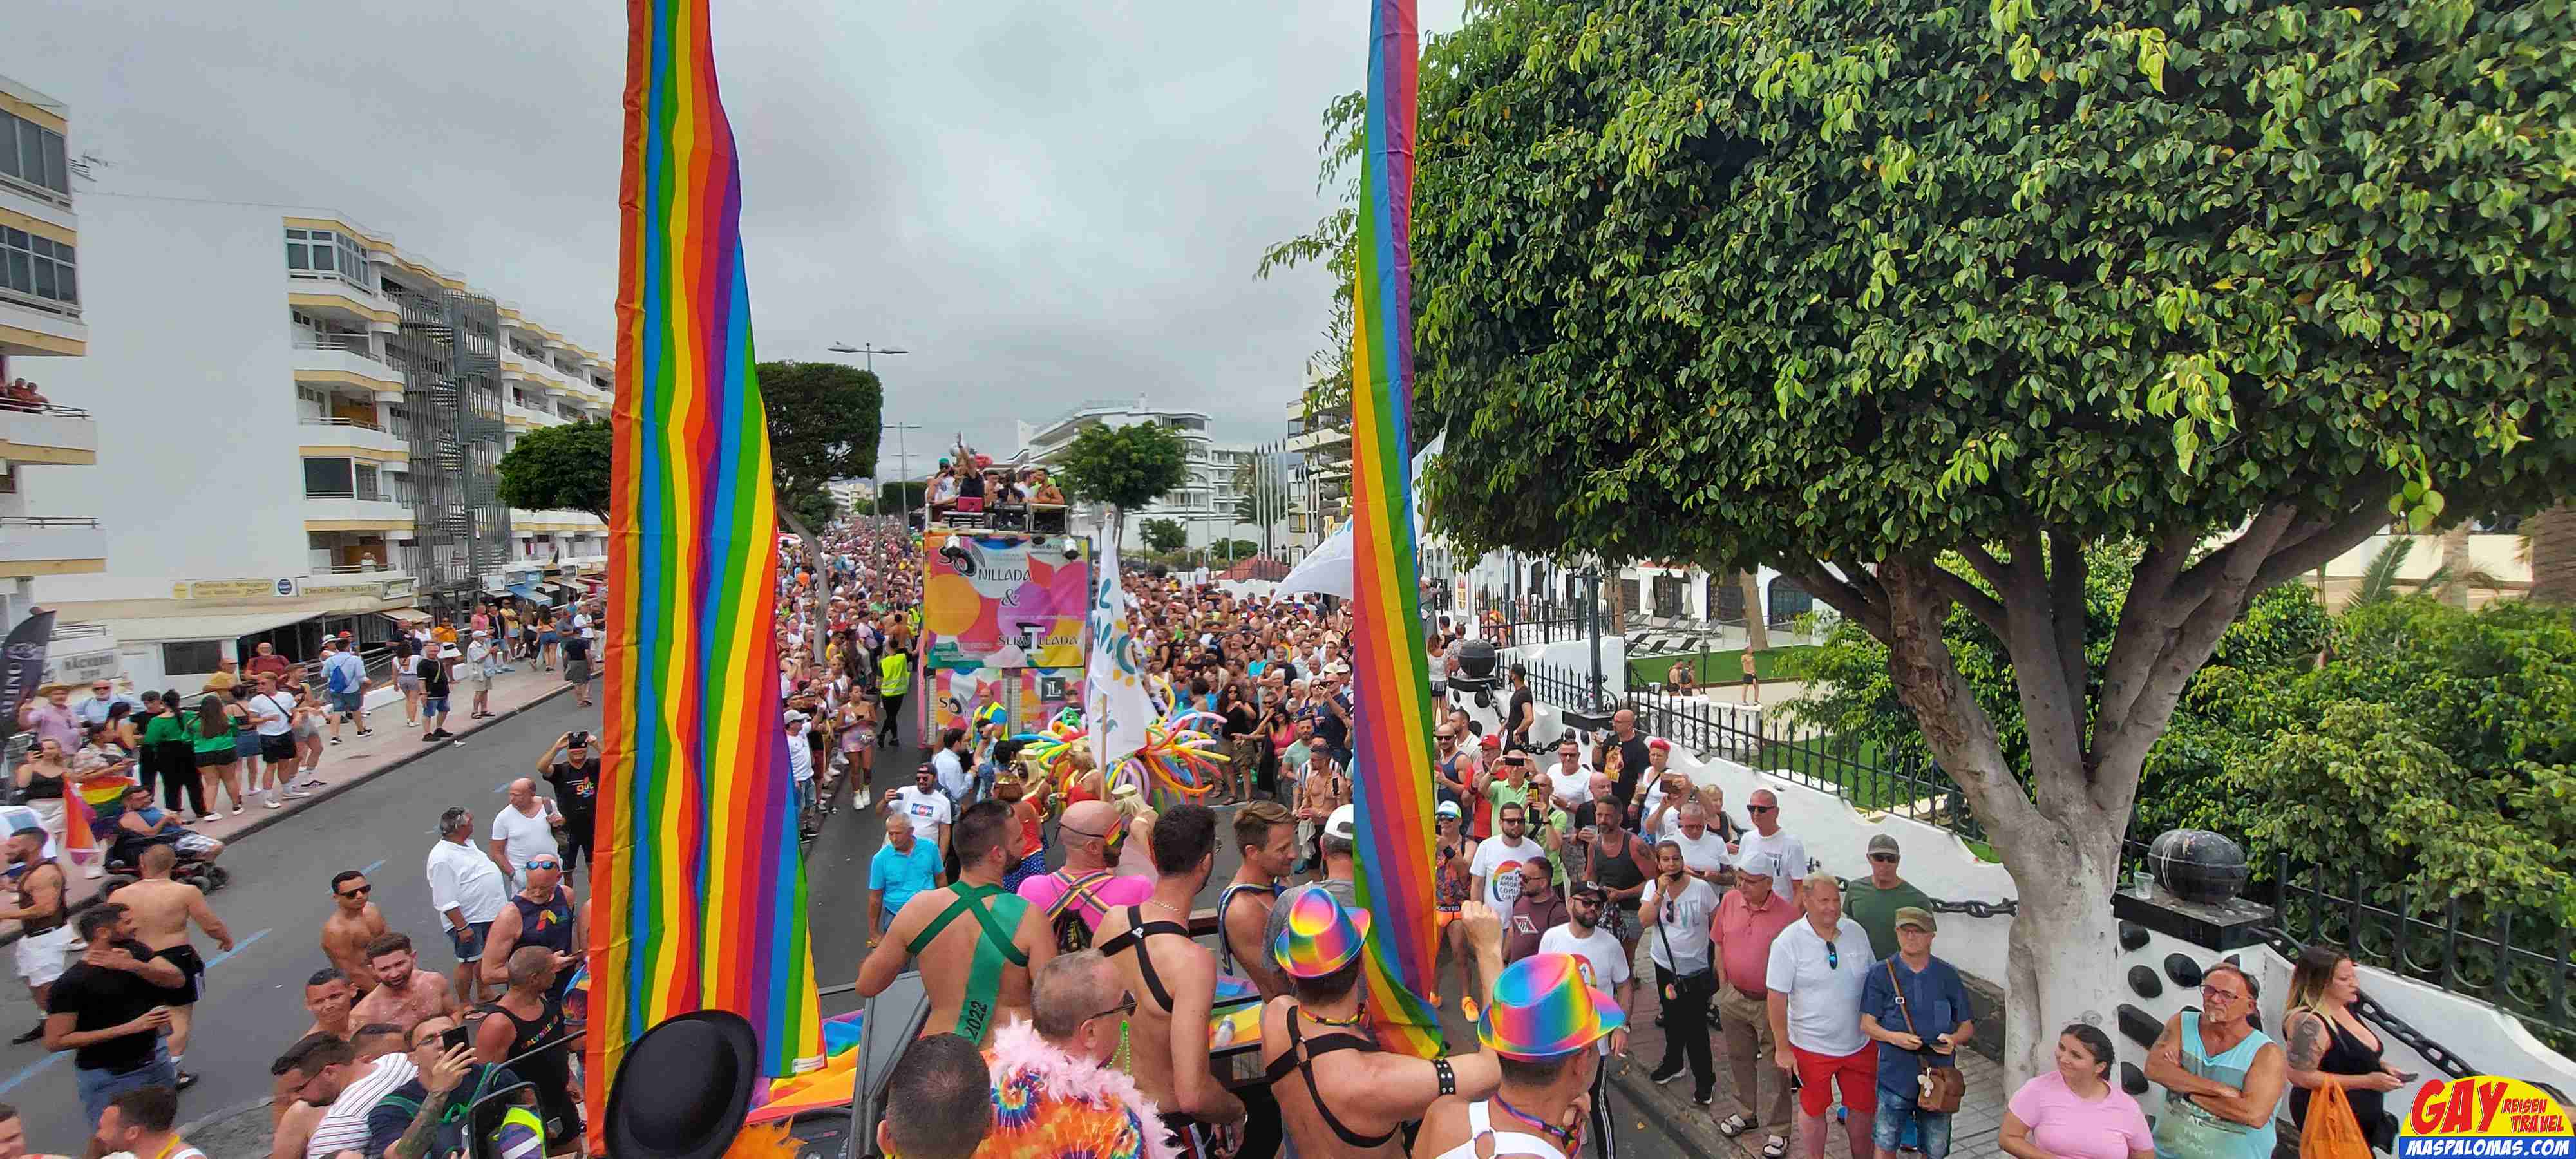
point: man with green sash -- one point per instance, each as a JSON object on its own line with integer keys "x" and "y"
{"x": 976, "y": 945}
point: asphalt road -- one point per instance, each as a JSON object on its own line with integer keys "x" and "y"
{"x": 281, "y": 893}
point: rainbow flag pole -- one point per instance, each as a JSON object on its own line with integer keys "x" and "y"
{"x": 699, "y": 890}
{"x": 1392, "y": 785}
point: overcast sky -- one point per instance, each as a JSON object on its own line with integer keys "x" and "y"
{"x": 1044, "y": 202}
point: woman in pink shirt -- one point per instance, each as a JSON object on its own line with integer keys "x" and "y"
{"x": 2076, "y": 1111}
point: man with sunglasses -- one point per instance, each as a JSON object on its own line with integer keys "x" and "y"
{"x": 1494, "y": 876}
{"x": 1768, "y": 837}
{"x": 1817, "y": 969}
{"x": 539, "y": 915}
{"x": 1069, "y": 1099}
{"x": 1874, "y": 901}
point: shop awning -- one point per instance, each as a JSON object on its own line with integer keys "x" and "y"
{"x": 497, "y": 593}
{"x": 150, "y": 629}
{"x": 405, "y": 615}
{"x": 529, "y": 591}
{"x": 571, "y": 591}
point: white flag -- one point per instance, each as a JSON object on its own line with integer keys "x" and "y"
{"x": 1115, "y": 706}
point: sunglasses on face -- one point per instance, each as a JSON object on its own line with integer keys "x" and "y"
{"x": 1761, "y": 808}
{"x": 544, "y": 863}
{"x": 2217, "y": 997}
{"x": 1889, "y": 858}
{"x": 1126, "y": 1007}
{"x": 1512, "y": 821}
{"x": 361, "y": 891}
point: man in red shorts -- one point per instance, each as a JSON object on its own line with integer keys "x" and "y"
{"x": 1817, "y": 969}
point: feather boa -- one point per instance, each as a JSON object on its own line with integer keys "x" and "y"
{"x": 1024, "y": 1064}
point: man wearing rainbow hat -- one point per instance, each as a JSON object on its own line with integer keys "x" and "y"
{"x": 1544, "y": 1019}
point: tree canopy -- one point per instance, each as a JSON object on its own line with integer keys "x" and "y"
{"x": 561, "y": 468}
{"x": 1162, "y": 535}
{"x": 1123, "y": 466}
{"x": 1920, "y": 304}
{"x": 823, "y": 422}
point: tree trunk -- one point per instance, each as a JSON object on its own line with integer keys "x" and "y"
{"x": 1757, "y": 625}
{"x": 2553, "y": 555}
{"x": 2455, "y": 566}
{"x": 2062, "y": 944}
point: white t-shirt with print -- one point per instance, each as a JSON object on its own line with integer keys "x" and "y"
{"x": 928, "y": 811}
{"x": 1500, "y": 865}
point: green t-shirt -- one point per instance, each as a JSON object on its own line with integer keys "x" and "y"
{"x": 221, "y": 742}
{"x": 162, "y": 729}
{"x": 1875, "y": 910}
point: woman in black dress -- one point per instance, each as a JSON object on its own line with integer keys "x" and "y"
{"x": 2327, "y": 1043}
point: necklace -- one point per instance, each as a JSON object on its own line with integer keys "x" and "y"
{"x": 1565, "y": 1138}
{"x": 1158, "y": 903}
{"x": 1360, "y": 1012}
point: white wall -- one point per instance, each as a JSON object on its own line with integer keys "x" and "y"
{"x": 188, "y": 370}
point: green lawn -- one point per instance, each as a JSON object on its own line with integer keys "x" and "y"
{"x": 1720, "y": 668}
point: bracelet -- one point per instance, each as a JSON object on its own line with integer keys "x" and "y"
{"x": 1448, "y": 1075}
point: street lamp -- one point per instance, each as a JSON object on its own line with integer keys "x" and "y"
{"x": 868, "y": 350}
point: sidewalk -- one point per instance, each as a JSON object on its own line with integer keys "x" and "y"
{"x": 353, "y": 761}
{"x": 1643, "y": 1106}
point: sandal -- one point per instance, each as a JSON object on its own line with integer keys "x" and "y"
{"x": 1775, "y": 1148}
{"x": 1734, "y": 1125}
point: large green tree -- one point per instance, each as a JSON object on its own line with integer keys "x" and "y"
{"x": 1164, "y": 535}
{"x": 823, "y": 423}
{"x": 1852, "y": 289}
{"x": 1126, "y": 467}
{"x": 562, "y": 468}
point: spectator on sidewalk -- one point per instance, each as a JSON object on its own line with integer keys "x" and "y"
{"x": 904, "y": 865}
{"x": 1763, "y": 807}
{"x": 1537, "y": 910}
{"x": 2076, "y": 1111}
{"x": 1749, "y": 919}
{"x": 265, "y": 661}
{"x": 1874, "y": 901}
{"x": 1817, "y": 968}
{"x": 109, "y": 1009}
{"x": 1583, "y": 935}
{"x": 345, "y": 675}
{"x": 2222, "y": 1078}
{"x": 1681, "y": 907}
{"x": 523, "y": 828}
{"x": 1917, "y": 1008}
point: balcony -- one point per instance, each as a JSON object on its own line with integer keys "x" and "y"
{"x": 523, "y": 417}
{"x": 36, "y": 545}
{"x": 344, "y": 360}
{"x": 48, "y": 434}
{"x": 355, "y": 438}
{"x": 375, "y": 510}
{"x": 526, "y": 522}
{"x": 332, "y": 296}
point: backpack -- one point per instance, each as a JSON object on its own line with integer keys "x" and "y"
{"x": 1072, "y": 933}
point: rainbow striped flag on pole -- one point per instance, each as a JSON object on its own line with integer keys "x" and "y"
{"x": 699, "y": 890}
{"x": 1392, "y": 782}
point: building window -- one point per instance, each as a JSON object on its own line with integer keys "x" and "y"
{"x": 34, "y": 154}
{"x": 38, "y": 267}
{"x": 322, "y": 251}
{"x": 1788, "y": 601}
{"x": 189, "y": 657}
{"x": 366, "y": 480}
{"x": 329, "y": 479}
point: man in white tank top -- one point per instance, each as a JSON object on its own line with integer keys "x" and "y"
{"x": 1544, "y": 1019}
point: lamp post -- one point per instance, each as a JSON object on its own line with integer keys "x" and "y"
{"x": 869, "y": 352}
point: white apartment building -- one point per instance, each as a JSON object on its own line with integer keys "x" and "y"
{"x": 54, "y": 538}
{"x": 303, "y": 421}
{"x": 1205, "y": 501}
{"x": 1319, "y": 484}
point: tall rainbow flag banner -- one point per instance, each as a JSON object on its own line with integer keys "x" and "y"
{"x": 698, "y": 894}
{"x": 1392, "y": 783}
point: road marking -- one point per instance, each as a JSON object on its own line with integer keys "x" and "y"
{"x": 39, "y": 1066}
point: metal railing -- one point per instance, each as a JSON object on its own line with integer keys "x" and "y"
{"x": 43, "y": 408}
{"x": 344, "y": 343}
{"x": 332, "y": 421}
{"x": 47, "y": 521}
{"x": 1537, "y": 621}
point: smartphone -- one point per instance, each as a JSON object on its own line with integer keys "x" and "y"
{"x": 453, "y": 1037}
{"x": 2408, "y": 1076}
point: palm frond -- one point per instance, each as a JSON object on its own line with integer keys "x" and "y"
{"x": 2379, "y": 578}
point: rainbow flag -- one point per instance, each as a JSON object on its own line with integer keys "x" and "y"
{"x": 1392, "y": 783}
{"x": 699, "y": 892}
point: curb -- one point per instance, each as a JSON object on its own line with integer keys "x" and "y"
{"x": 276, "y": 816}
{"x": 1630, "y": 1080}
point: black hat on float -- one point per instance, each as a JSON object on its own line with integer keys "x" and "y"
{"x": 684, "y": 1089}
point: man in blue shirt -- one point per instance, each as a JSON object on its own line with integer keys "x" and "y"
{"x": 345, "y": 677}
{"x": 903, "y": 866}
{"x": 1915, "y": 1006}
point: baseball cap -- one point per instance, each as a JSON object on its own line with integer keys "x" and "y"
{"x": 1344, "y": 823}
{"x": 1658, "y": 743}
{"x": 794, "y": 716}
{"x": 1765, "y": 864}
{"x": 1450, "y": 809}
{"x": 1592, "y": 890}
{"x": 1916, "y": 916}
{"x": 1882, "y": 843}
{"x": 1491, "y": 740}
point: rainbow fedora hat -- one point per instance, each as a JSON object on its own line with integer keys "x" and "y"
{"x": 1321, "y": 936}
{"x": 1545, "y": 1005}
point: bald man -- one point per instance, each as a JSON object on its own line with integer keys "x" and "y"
{"x": 1089, "y": 883}
{"x": 523, "y": 829}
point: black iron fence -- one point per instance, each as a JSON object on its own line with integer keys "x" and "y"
{"x": 1537, "y": 621}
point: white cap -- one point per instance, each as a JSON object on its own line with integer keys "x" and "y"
{"x": 796, "y": 717}
{"x": 1344, "y": 823}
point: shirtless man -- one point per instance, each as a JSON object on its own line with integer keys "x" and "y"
{"x": 162, "y": 909}
{"x": 1173, "y": 980}
{"x": 404, "y": 992}
{"x": 328, "y": 997}
{"x": 976, "y": 944}
{"x": 1358, "y": 1103}
{"x": 1268, "y": 837}
{"x": 354, "y": 922}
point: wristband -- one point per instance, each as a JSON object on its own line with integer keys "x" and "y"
{"x": 1448, "y": 1076}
